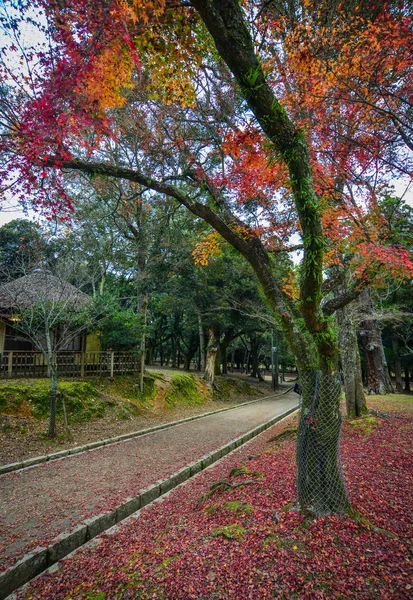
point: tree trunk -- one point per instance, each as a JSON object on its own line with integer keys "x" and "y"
{"x": 350, "y": 362}
{"x": 173, "y": 352}
{"x": 188, "y": 356}
{"x": 224, "y": 357}
{"x": 378, "y": 380}
{"x": 212, "y": 349}
{"x": 320, "y": 483}
{"x": 397, "y": 363}
{"x": 52, "y": 373}
{"x": 53, "y": 389}
{"x": 143, "y": 342}
{"x": 254, "y": 356}
{"x": 201, "y": 343}
{"x": 217, "y": 366}
{"x": 406, "y": 380}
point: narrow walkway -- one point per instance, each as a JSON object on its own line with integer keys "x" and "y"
{"x": 38, "y": 503}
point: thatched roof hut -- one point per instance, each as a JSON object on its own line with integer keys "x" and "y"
{"x": 39, "y": 286}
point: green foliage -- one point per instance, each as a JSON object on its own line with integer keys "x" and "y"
{"x": 22, "y": 246}
{"x": 81, "y": 399}
{"x": 120, "y": 326}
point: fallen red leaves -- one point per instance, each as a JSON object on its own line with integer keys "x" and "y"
{"x": 244, "y": 542}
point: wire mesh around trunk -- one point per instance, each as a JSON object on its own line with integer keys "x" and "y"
{"x": 320, "y": 483}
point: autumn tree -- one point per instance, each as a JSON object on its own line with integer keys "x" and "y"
{"x": 220, "y": 130}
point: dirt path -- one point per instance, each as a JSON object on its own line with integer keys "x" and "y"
{"x": 22, "y": 438}
{"x": 38, "y": 503}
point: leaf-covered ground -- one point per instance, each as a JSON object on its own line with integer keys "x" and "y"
{"x": 244, "y": 541}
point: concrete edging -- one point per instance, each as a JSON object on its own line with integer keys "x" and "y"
{"x": 42, "y": 558}
{"x": 37, "y": 460}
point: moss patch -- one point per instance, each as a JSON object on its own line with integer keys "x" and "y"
{"x": 32, "y": 399}
{"x": 183, "y": 390}
{"x": 364, "y": 425}
{"x": 225, "y": 387}
{"x": 237, "y": 506}
{"x": 231, "y": 532}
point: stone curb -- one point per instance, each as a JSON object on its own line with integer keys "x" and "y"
{"x": 31, "y": 462}
{"x": 40, "y": 558}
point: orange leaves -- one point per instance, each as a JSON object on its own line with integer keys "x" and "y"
{"x": 139, "y": 11}
{"x": 291, "y": 286}
{"x": 210, "y": 246}
{"x": 110, "y": 73}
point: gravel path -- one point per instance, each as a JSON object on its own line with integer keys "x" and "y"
{"x": 38, "y": 503}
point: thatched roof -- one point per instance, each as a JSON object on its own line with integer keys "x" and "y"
{"x": 39, "y": 286}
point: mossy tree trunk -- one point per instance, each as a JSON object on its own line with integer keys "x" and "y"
{"x": 320, "y": 484}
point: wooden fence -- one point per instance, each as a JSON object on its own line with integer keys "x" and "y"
{"x": 14, "y": 363}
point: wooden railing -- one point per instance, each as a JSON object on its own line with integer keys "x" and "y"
{"x": 14, "y": 363}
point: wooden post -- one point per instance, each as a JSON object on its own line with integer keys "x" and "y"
{"x": 82, "y": 364}
{"x": 10, "y": 364}
{"x": 112, "y": 363}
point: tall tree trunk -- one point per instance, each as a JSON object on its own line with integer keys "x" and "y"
{"x": 254, "y": 356}
{"x": 232, "y": 360}
{"x": 53, "y": 393}
{"x": 173, "y": 351}
{"x": 52, "y": 373}
{"x": 320, "y": 483}
{"x": 217, "y": 365}
{"x": 143, "y": 342}
{"x": 224, "y": 358}
{"x": 188, "y": 356}
{"x": 351, "y": 364}
{"x": 201, "y": 343}
{"x": 378, "y": 380}
{"x": 212, "y": 349}
{"x": 397, "y": 363}
{"x": 406, "y": 380}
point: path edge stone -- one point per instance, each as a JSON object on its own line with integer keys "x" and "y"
{"x": 40, "y": 559}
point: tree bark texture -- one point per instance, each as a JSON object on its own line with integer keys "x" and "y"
{"x": 201, "y": 343}
{"x": 143, "y": 342}
{"x": 378, "y": 379}
{"x": 350, "y": 363}
{"x": 397, "y": 363}
{"x": 212, "y": 349}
